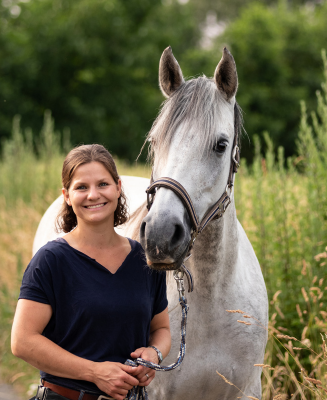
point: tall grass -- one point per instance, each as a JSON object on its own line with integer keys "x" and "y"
{"x": 29, "y": 168}
{"x": 283, "y": 209}
{"x": 282, "y": 205}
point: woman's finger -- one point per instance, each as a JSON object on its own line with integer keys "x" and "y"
{"x": 138, "y": 371}
{"x": 126, "y": 386}
{"x": 129, "y": 379}
{"x": 122, "y": 392}
{"x": 119, "y": 393}
{"x": 146, "y": 380}
{"x": 144, "y": 371}
{"x": 149, "y": 372}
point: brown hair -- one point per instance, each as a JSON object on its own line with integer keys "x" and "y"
{"x": 66, "y": 219}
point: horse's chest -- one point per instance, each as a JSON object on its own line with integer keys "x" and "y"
{"x": 197, "y": 378}
{"x": 215, "y": 341}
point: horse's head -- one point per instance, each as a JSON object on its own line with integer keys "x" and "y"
{"x": 192, "y": 143}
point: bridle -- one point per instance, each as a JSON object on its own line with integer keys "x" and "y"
{"x": 214, "y": 212}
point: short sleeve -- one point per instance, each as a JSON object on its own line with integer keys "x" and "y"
{"x": 161, "y": 302}
{"x": 37, "y": 280}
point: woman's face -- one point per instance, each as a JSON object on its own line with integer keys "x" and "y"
{"x": 93, "y": 194}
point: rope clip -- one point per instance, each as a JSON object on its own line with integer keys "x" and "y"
{"x": 179, "y": 278}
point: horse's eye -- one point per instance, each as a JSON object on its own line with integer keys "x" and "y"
{"x": 220, "y": 147}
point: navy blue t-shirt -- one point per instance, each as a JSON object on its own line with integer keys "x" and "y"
{"x": 96, "y": 315}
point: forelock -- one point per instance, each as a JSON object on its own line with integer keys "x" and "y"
{"x": 197, "y": 105}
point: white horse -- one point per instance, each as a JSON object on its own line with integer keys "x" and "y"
{"x": 192, "y": 142}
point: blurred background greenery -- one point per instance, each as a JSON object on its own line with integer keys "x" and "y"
{"x": 94, "y": 63}
{"x": 91, "y": 67}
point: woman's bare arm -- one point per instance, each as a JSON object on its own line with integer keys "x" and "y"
{"x": 160, "y": 338}
{"x": 160, "y": 333}
{"x": 28, "y": 343}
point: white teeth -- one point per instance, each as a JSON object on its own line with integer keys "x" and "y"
{"x": 97, "y": 206}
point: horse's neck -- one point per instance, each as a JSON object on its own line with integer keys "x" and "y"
{"x": 214, "y": 256}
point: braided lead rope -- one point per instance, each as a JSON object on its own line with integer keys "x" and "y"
{"x": 139, "y": 392}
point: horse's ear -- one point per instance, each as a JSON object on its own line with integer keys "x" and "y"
{"x": 226, "y": 75}
{"x": 170, "y": 73}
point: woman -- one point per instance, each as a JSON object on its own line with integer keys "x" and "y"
{"x": 88, "y": 301}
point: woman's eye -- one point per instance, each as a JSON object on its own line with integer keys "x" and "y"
{"x": 220, "y": 147}
{"x": 82, "y": 187}
{"x": 103, "y": 184}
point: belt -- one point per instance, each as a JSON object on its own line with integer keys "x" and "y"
{"x": 72, "y": 394}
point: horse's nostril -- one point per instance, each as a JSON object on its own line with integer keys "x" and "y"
{"x": 142, "y": 229}
{"x": 178, "y": 235}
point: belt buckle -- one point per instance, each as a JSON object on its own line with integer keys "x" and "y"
{"x": 41, "y": 392}
{"x": 104, "y": 397}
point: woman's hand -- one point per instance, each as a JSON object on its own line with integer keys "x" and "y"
{"x": 143, "y": 374}
{"x": 115, "y": 379}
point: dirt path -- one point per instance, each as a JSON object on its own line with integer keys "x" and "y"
{"x": 7, "y": 392}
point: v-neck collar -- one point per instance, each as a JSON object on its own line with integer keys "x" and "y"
{"x": 131, "y": 242}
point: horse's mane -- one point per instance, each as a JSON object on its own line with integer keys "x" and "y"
{"x": 196, "y": 103}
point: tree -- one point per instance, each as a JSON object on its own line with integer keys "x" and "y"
{"x": 94, "y": 63}
{"x": 277, "y": 52}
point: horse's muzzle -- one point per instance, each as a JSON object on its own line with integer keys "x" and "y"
{"x": 164, "y": 267}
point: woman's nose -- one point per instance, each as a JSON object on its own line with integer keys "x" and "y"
{"x": 93, "y": 193}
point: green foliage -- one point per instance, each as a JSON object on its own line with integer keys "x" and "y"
{"x": 282, "y": 205}
{"x": 284, "y": 212}
{"x": 30, "y": 172}
{"x": 277, "y": 55}
{"x": 30, "y": 166}
{"x": 94, "y": 63}
{"x": 10, "y": 365}
{"x": 285, "y": 220}
{"x": 229, "y": 10}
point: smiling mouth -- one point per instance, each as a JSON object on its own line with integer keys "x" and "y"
{"x": 95, "y": 206}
